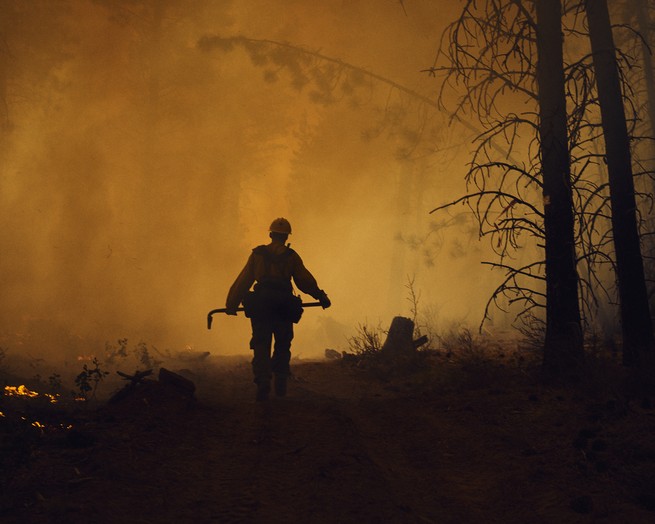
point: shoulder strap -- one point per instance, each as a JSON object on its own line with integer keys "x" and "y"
{"x": 264, "y": 252}
{"x": 272, "y": 259}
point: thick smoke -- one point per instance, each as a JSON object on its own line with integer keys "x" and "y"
{"x": 139, "y": 168}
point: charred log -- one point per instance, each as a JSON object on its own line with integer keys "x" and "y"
{"x": 177, "y": 381}
{"x": 169, "y": 384}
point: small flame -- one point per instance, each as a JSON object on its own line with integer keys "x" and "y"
{"x": 24, "y": 391}
{"x": 20, "y": 391}
{"x": 37, "y": 424}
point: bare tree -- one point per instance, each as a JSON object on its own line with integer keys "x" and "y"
{"x": 644, "y": 26}
{"x": 635, "y": 316}
{"x": 4, "y": 61}
{"x": 490, "y": 51}
{"x": 627, "y": 15}
{"x": 563, "y": 344}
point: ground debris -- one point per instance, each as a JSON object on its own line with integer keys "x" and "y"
{"x": 332, "y": 354}
{"x": 340, "y": 435}
{"x": 169, "y": 386}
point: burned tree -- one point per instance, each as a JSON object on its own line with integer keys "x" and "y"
{"x": 563, "y": 344}
{"x": 638, "y": 14}
{"x": 635, "y": 315}
{"x": 4, "y": 59}
{"x": 491, "y": 51}
{"x": 644, "y": 25}
{"x": 508, "y": 38}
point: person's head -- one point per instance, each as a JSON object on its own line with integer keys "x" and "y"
{"x": 278, "y": 237}
{"x": 280, "y": 230}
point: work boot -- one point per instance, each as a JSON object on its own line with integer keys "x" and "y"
{"x": 263, "y": 390}
{"x": 280, "y": 385}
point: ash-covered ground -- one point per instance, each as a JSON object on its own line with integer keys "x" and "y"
{"x": 455, "y": 439}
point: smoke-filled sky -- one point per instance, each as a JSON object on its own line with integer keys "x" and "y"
{"x": 145, "y": 151}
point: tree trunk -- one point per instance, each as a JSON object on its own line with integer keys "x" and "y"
{"x": 4, "y": 66}
{"x": 635, "y": 316}
{"x": 563, "y": 353}
{"x": 643, "y": 22}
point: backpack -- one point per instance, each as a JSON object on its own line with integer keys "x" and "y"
{"x": 272, "y": 297}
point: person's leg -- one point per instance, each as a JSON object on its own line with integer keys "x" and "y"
{"x": 260, "y": 343}
{"x": 283, "y": 332}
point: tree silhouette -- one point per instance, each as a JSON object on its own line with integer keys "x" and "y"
{"x": 490, "y": 52}
{"x": 563, "y": 342}
{"x": 635, "y": 316}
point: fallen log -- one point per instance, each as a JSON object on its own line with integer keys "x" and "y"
{"x": 178, "y": 381}
{"x": 332, "y": 354}
{"x": 169, "y": 385}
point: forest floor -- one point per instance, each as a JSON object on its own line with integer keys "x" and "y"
{"x": 459, "y": 440}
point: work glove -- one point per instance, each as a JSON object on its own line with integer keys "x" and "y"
{"x": 231, "y": 312}
{"x": 324, "y": 300}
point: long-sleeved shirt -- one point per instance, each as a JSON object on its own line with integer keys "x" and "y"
{"x": 287, "y": 265}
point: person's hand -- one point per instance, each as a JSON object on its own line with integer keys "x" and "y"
{"x": 231, "y": 312}
{"x": 324, "y": 300}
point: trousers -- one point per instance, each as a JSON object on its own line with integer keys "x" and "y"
{"x": 263, "y": 363}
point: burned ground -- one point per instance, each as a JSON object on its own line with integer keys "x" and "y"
{"x": 455, "y": 441}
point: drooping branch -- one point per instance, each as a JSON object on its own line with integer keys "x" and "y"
{"x": 298, "y": 60}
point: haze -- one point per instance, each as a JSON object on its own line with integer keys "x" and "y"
{"x": 139, "y": 169}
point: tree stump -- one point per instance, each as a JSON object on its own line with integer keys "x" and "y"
{"x": 400, "y": 339}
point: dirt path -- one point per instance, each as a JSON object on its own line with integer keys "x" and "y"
{"x": 340, "y": 448}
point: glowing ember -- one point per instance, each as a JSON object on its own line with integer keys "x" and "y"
{"x": 52, "y": 398}
{"x": 37, "y": 424}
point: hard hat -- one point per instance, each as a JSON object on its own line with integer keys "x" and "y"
{"x": 280, "y": 225}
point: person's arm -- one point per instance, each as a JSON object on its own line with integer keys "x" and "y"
{"x": 240, "y": 287}
{"x": 306, "y": 282}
